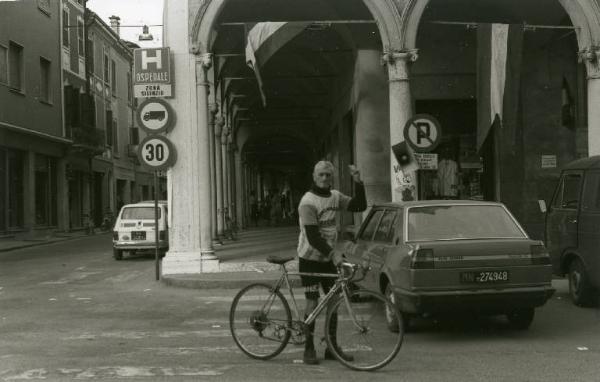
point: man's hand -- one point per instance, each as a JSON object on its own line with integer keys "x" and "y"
{"x": 355, "y": 173}
{"x": 337, "y": 257}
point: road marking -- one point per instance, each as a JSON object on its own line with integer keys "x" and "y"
{"x": 112, "y": 372}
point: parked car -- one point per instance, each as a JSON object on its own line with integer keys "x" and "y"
{"x": 135, "y": 230}
{"x": 437, "y": 256}
{"x": 572, "y": 232}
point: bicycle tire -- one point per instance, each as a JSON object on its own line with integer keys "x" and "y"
{"x": 259, "y": 317}
{"x": 373, "y": 345}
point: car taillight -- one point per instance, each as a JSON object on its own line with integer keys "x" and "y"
{"x": 539, "y": 255}
{"x": 162, "y": 235}
{"x": 115, "y": 235}
{"x": 422, "y": 259}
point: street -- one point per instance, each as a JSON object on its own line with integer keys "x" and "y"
{"x": 69, "y": 311}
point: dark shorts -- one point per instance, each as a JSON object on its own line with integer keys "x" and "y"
{"x": 311, "y": 283}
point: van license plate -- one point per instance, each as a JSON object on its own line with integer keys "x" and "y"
{"x": 138, "y": 235}
{"x": 484, "y": 277}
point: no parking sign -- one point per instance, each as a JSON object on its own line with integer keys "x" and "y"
{"x": 423, "y": 133}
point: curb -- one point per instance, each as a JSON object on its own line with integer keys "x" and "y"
{"x": 224, "y": 280}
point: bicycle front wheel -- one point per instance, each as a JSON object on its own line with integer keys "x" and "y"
{"x": 259, "y": 320}
{"x": 357, "y": 330}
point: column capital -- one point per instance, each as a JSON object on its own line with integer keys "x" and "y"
{"x": 219, "y": 123}
{"x": 397, "y": 63}
{"x": 213, "y": 108}
{"x": 590, "y": 56}
{"x": 205, "y": 59}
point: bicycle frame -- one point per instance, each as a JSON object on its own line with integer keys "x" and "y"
{"x": 340, "y": 285}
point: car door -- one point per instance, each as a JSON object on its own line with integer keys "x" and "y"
{"x": 562, "y": 218}
{"x": 589, "y": 226}
{"x": 382, "y": 246}
{"x": 362, "y": 249}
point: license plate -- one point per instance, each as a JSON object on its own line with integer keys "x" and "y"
{"x": 484, "y": 277}
{"x": 138, "y": 235}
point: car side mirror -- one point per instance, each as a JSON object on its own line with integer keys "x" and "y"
{"x": 542, "y": 204}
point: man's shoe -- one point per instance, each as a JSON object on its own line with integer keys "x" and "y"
{"x": 310, "y": 357}
{"x": 346, "y": 357}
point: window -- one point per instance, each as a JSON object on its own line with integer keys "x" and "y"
{"x": 385, "y": 231}
{"x": 109, "y": 127}
{"x": 113, "y": 77}
{"x": 115, "y": 136}
{"x": 80, "y": 38}
{"x": 15, "y": 66}
{"x": 371, "y": 224}
{"x": 65, "y": 28}
{"x": 568, "y": 193}
{"x": 90, "y": 55}
{"x": 129, "y": 93}
{"x": 3, "y": 64}
{"x": 591, "y": 192}
{"x": 106, "y": 67}
{"x": 45, "y": 94}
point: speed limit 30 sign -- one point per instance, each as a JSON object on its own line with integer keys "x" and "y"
{"x": 156, "y": 152}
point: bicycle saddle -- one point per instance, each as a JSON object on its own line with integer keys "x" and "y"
{"x": 279, "y": 260}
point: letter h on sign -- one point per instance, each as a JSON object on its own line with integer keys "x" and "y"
{"x": 157, "y": 59}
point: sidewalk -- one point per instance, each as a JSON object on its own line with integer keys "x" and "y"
{"x": 243, "y": 261}
{"x": 11, "y": 243}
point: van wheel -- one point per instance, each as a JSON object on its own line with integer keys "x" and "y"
{"x": 579, "y": 285}
{"x": 521, "y": 319}
{"x": 117, "y": 254}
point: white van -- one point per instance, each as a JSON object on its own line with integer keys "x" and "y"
{"x": 134, "y": 229}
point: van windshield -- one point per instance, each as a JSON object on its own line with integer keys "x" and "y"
{"x": 146, "y": 213}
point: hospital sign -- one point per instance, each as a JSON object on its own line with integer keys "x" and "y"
{"x": 152, "y": 72}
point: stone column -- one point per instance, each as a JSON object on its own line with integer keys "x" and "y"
{"x": 404, "y": 183}
{"x": 213, "y": 108}
{"x": 591, "y": 57}
{"x": 208, "y": 258}
{"x": 225, "y": 163}
{"x": 239, "y": 187}
{"x": 219, "y": 173}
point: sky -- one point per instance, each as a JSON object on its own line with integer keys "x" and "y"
{"x": 132, "y": 12}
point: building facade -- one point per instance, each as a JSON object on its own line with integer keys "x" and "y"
{"x": 32, "y": 139}
{"x": 344, "y": 87}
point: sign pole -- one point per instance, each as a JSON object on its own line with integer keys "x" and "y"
{"x": 156, "y": 228}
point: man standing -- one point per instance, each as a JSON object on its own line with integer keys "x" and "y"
{"x": 317, "y": 212}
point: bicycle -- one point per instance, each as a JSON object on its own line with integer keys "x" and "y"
{"x": 261, "y": 322}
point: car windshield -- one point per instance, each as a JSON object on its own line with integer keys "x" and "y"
{"x": 139, "y": 213}
{"x": 461, "y": 222}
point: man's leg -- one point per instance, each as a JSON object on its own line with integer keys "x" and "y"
{"x": 327, "y": 284}
{"x": 311, "y": 293}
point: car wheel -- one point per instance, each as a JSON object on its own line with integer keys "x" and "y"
{"x": 117, "y": 254}
{"x": 392, "y": 322}
{"x": 579, "y": 285}
{"x": 521, "y": 319}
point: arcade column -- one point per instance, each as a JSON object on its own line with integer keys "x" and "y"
{"x": 404, "y": 184}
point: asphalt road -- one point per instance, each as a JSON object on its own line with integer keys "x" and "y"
{"x": 68, "y": 311}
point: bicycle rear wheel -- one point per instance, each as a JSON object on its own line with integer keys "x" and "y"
{"x": 362, "y": 330}
{"x": 259, "y": 320}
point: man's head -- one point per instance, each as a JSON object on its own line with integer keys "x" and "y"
{"x": 323, "y": 174}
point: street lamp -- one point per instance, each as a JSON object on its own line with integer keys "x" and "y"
{"x": 145, "y": 36}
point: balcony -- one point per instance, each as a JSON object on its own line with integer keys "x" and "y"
{"x": 88, "y": 139}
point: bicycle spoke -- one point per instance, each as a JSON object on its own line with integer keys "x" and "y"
{"x": 362, "y": 331}
{"x": 259, "y": 320}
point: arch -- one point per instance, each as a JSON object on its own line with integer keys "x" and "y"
{"x": 584, "y": 15}
{"x": 385, "y": 13}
